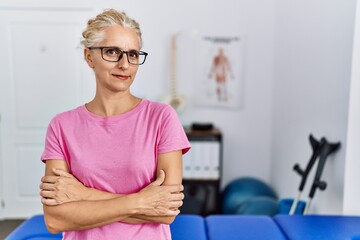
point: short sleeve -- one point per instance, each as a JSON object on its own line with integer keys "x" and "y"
{"x": 172, "y": 135}
{"x": 52, "y": 148}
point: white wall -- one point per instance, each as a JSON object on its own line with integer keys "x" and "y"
{"x": 313, "y": 49}
{"x": 247, "y": 130}
{"x": 297, "y": 71}
{"x": 352, "y": 176}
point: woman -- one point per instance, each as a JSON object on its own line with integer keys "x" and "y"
{"x": 101, "y": 156}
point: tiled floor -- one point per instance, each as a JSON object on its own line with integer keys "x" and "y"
{"x": 7, "y": 226}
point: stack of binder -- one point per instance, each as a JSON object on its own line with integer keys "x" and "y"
{"x": 202, "y": 161}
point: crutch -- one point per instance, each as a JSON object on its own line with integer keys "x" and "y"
{"x": 326, "y": 149}
{"x": 315, "y": 145}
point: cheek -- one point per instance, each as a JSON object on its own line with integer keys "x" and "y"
{"x": 101, "y": 74}
{"x": 134, "y": 72}
{"x": 100, "y": 68}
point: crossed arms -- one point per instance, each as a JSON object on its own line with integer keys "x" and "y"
{"x": 69, "y": 205}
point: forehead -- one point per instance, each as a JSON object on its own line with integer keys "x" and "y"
{"x": 122, "y": 37}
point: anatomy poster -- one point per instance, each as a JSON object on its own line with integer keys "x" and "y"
{"x": 219, "y": 75}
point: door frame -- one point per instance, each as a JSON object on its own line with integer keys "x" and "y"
{"x": 1, "y": 175}
{"x": 352, "y": 177}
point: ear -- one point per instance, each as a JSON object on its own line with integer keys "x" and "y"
{"x": 88, "y": 57}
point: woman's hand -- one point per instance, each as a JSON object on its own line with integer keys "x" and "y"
{"x": 159, "y": 200}
{"x": 61, "y": 188}
{"x": 153, "y": 200}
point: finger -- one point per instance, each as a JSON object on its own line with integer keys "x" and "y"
{"x": 164, "y": 212}
{"x": 47, "y": 186}
{"x": 47, "y": 194}
{"x": 172, "y": 212}
{"x": 174, "y": 188}
{"x": 49, "y": 202}
{"x": 174, "y": 204}
{"x": 61, "y": 172}
{"x": 160, "y": 179}
{"x": 49, "y": 179}
{"x": 176, "y": 197}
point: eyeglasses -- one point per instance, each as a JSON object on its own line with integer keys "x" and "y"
{"x": 114, "y": 54}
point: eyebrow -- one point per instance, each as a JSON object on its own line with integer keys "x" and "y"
{"x": 120, "y": 48}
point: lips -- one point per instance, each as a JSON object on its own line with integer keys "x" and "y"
{"x": 121, "y": 77}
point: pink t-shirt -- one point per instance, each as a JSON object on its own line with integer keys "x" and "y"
{"x": 116, "y": 154}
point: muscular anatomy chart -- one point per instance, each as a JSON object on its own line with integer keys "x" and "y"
{"x": 219, "y": 76}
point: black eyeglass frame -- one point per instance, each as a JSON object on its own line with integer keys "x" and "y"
{"x": 121, "y": 55}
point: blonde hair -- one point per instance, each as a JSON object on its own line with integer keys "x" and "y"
{"x": 94, "y": 31}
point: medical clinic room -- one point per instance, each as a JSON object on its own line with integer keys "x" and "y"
{"x": 180, "y": 120}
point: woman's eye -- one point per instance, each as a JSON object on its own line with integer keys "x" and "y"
{"x": 134, "y": 54}
{"x": 112, "y": 51}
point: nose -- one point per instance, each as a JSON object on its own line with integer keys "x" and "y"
{"x": 123, "y": 62}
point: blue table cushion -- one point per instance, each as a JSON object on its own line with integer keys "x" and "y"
{"x": 33, "y": 228}
{"x": 188, "y": 227}
{"x": 233, "y": 227}
{"x": 316, "y": 227}
{"x": 184, "y": 227}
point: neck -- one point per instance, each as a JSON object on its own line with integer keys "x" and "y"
{"x": 111, "y": 105}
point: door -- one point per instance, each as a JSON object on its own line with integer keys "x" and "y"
{"x": 42, "y": 73}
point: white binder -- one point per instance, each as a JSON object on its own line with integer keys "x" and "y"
{"x": 202, "y": 161}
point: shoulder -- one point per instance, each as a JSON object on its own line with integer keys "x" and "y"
{"x": 156, "y": 105}
{"x": 159, "y": 108}
{"x": 67, "y": 116}
{"x": 162, "y": 114}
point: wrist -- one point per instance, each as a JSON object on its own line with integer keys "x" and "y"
{"x": 87, "y": 194}
{"x": 133, "y": 203}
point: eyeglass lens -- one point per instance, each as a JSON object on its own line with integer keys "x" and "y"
{"x": 115, "y": 54}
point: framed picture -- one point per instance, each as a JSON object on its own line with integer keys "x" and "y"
{"x": 219, "y": 72}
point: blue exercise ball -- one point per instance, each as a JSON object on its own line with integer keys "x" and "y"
{"x": 241, "y": 189}
{"x": 258, "y": 205}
